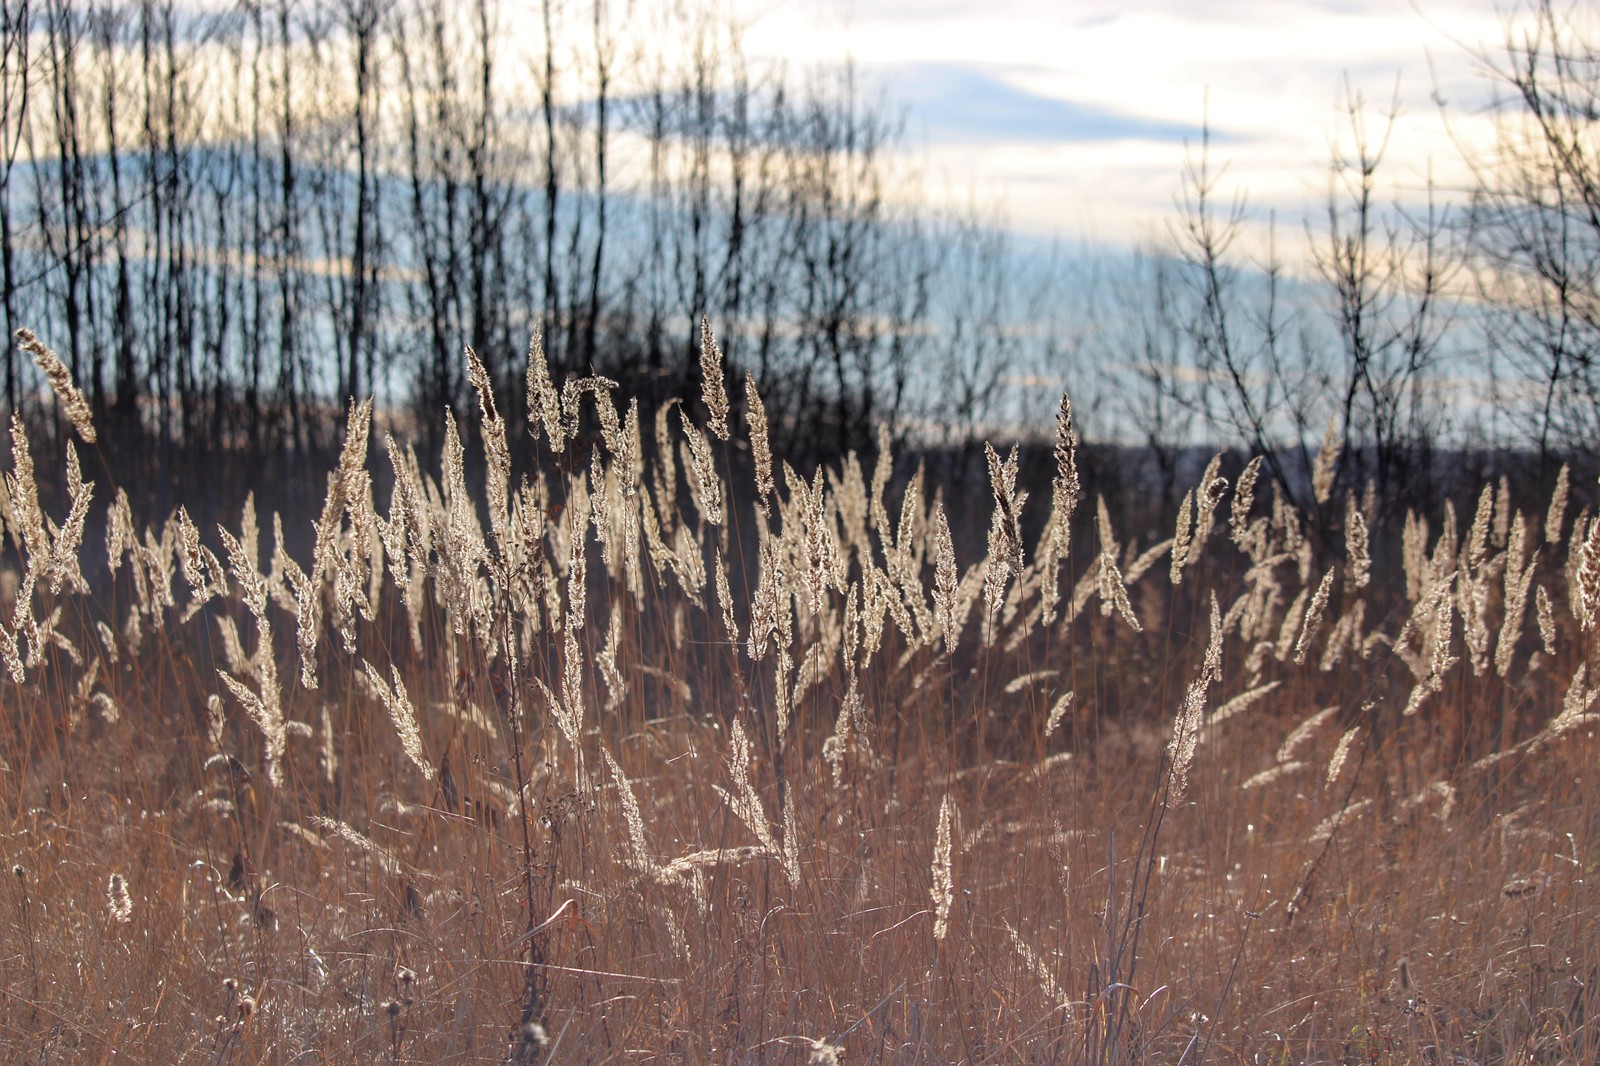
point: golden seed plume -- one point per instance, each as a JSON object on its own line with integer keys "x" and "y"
{"x": 72, "y": 402}
{"x": 712, "y": 389}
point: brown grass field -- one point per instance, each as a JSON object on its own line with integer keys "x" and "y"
{"x": 697, "y": 760}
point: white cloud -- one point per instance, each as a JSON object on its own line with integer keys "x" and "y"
{"x": 1268, "y": 73}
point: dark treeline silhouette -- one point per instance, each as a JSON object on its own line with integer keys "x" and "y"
{"x": 227, "y": 222}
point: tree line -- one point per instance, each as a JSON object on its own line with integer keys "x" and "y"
{"x": 230, "y": 220}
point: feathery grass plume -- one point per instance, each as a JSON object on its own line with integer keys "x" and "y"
{"x": 743, "y": 800}
{"x": 1326, "y": 464}
{"x": 1273, "y": 774}
{"x": 1330, "y": 825}
{"x": 1518, "y": 580}
{"x": 1359, "y": 573}
{"x": 1313, "y": 618}
{"x": 1067, "y": 487}
{"x": 1547, "y": 620}
{"x": 725, "y": 600}
{"x": 1028, "y": 680}
{"x": 121, "y": 537}
{"x": 355, "y": 838}
{"x": 1242, "y": 702}
{"x": 1502, "y": 513}
{"x": 943, "y": 889}
{"x": 118, "y": 901}
{"x": 1005, "y": 538}
{"x": 62, "y": 567}
{"x": 263, "y": 704}
{"x": 711, "y": 385}
{"x": 638, "y": 859}
{"x": 1292, "y": 625}
{"x": 1574, "y": 710}
{"x": 1058, "y": 711}
{"x": 849, "y": 732}
{"x": 944, "y": 577}
{"x": 850, "y": 500}
{"x": 1145, "y": 560}
{"x": 216, "y": 720}
{"x": 819, "y": 539}
{"x": 1066, "y": 490}
{"x": 1587, "y": 578}
{"x": 1109, "y": 583}
{"x": 1438, "y": 608}
{"x": 904, "y": 560}
{"x": 1244, "y": 497}
{"x": 326, "y": 556}
{"x": 72, "y": 401}
{"x": 1414, "y": 555}
{"x": 616, "y": 684}
{"x": 543, "y": 400}
{"x": 1341, "y": 753}
{"x": 577, "y": 518}
{"x": 402, "y": 714}
{"x": 755, "y": 416}
{"x": 1207, "y": 498}
{"x": 666, "y": 468}
{"x": 882, "y": 470}
{"x": 1478, "y": 534}
{"x": 768, "y": 600}
{"x": 1186, "y": 727}
{"x": 1037, "y": 967}
{"x": 27, "y": 517}
{"x": 1180, "y": 537}
{"x": 194, "y": 563}
{"x": 496, "y": 451}
{"x": 1346, "y": 635}
{"x": 1557, "y": 514}
{"x": 705, "y": 487}
{"x": 1302, "y": 733}
{"x": 571, "y": 704}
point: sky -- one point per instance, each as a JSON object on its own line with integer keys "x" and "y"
{"x": 1075, "y": 117}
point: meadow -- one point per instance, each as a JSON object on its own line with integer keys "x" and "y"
{"x": 650, "y": 749}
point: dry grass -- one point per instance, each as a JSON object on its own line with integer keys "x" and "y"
{"x": 615, "y": 765}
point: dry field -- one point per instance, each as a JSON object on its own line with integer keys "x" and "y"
{"x": 698, "y": 760}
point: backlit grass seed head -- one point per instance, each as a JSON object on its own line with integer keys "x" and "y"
{"x": 1547, "y": 620}
{"x": 1341, "y": 753}
{"x": 543, "y": 400}
{"x": 1326, "y": 464}
{"x": 1186, "y": 727}
{"x": 705, "y": 487}
{"x": 118, "y": 901}
{"x": 760, "y": 448}
{"x": 638, "y": 848}
{"x": 1208, "y": 497}
{"x": 1005, "y": 536}
{"x": 945, "y": 577}
{"x": 1557, "y": 514}
{"x": 403, "y": 715}
{"x": 1313, "y": 618}
{"x": 1058, "y": 711}
{"x": 1588, "y": 576}
{"x": 712, "y": 389}
{"x": 1067, "y": 488}
{"x": 943, "y": 888}
{"x": 1357, "y": 554}
{"x": 1244, "y": 497}
{"x": 72, "y": 401}
{"x": 1180, "y": 537}
{"x": 1478, "y": 534}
